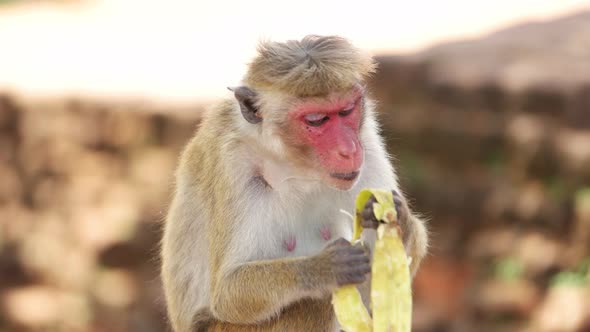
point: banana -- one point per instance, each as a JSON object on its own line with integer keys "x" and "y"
{"x": 391, "y": 293}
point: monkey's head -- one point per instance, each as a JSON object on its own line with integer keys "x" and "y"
{"x": 306, "y": 101}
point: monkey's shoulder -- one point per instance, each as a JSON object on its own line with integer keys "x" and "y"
{"x": 219, "y": 118}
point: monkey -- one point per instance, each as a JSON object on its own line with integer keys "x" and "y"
{"x": 257, "y": 233}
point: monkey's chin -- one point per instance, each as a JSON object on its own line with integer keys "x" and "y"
{"x": 343, "y": 181}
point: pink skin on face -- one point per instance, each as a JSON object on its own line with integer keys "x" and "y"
{"x": 331, "y": 128}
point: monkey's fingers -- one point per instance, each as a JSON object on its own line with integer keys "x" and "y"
{"x": 368, "y": 216}
{"x": 353, "y": 269}
{"x": 401, "y": 208}
{"x": 352, "y": 260}
{"x": 343, "y": 256}
{"x": 352, "y": 278}
{"x": 365, "y": 248}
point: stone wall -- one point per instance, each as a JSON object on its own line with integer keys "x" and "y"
{"x": 83, "y": 190}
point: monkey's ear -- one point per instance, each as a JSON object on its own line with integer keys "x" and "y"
{"x": 246, "y": 97}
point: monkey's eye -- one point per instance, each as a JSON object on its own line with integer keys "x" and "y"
{"x": 346, "y": 112}
{"x": 316, "y": 119}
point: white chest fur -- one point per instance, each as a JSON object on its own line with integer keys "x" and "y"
{"x": 317, "y": 226}
{"x": 302, "y": 226}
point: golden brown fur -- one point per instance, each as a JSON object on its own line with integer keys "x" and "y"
{"x": 301, "y": 316}
{"x": 314, "y": 66}
{"x": 223, "y": 265}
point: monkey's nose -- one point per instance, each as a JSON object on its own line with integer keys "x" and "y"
{"x": 346, "y": 149}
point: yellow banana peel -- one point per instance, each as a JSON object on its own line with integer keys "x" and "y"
{"x": 350, "y": 310}
{"x": 391, "y": 294}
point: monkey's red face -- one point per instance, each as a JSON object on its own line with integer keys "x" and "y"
{"x": 330, "y": 130}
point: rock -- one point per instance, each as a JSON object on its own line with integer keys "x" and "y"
{"x": 11, "y": 188}
{"x": 539, "y": 253}
{"x": 512, "y": 57}
{"x": 573, "y": 149}
{"x": 111, "y": 219}
{"x": 116, "y": 288}
{"x": 496, "y": 242}
{"x": 442, "y": 283}
{"x": 506, "y": 297}
{"x": 33, "y": 306}
{"x": 45, "y": 308}
{"x": 566, "y": 308}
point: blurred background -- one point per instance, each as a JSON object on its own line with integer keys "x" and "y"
{"x": 485, "y": 106}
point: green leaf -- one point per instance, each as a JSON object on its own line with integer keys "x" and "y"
{"x": 509, "y": 269}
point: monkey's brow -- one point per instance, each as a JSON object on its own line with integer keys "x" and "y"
{"x": 327, "y": 106}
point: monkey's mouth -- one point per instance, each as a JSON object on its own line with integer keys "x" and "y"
{"x": 345, "y": 176}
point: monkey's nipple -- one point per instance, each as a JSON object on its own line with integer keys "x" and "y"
{"x": 290, "y": 243}
{"x": 326, "y": 233}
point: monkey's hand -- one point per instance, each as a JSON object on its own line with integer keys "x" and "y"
{"x": 370, "y": 221}
{"x": 349, "y": 264}
{"x": 414, "y": 235}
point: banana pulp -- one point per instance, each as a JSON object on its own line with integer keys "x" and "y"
{"x": 391, "y": 294}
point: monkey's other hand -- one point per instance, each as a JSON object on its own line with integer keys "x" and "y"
{"x": 349, "y": 264}
{"x": 368, "y": 219}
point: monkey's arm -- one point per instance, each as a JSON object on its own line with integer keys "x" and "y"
{"x": 417, "y": 243}
{"x": 256, "y": 291}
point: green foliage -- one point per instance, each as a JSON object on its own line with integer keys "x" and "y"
{"x": 413, "y": 168}
{"x": 556, "y": 187}
{"x": 495, "y": 161}
{"x": 569, "y": 278}
{"x": 577, "y": 277}
{"x": 582, "y": 198}
{"x": 509, "y": 268}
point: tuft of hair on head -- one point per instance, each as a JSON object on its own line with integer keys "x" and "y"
{"x": 313, "y": 66}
